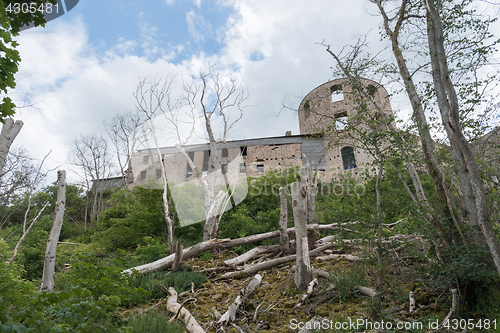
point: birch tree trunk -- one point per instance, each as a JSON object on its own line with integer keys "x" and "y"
{"x": 284, "y": 241}
{"x": 50, "y": 253}
{"x": 303, "y": 274}
{"x": 465, "y": 161}
{"x": 10, "y": 130}
{"x": 428, "y": 146}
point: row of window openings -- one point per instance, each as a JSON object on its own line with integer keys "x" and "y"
{"x": 225, "y": 153}
{"x": 348, "y": 160}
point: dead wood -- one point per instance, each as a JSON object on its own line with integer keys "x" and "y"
{"x": 270, "y": 264}
{"x": 339, "y": 256}
{"x": 284, "y": 242}
{"x": 310, "y": 289}
{"x": 303, "y": 275}
{"x": 177, "y": 264}
{"x": 452, "y": 310}
{"x": 212, "y": 244}
{"x": 411, "y": 296}
{"x": 367, "y": 291}
{"x": 312, "y": 325}
{"x": 251, "y": 254}
{"x": 230, "y": 315}
{"x": 177, "y": 309}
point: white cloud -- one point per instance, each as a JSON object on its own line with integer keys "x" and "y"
{"x": 198, "y": 26}
{"x": 80, "y": 88}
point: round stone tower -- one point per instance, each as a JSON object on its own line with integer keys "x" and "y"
{"x": 335, "y": 100}
{"x": 328, "y": 108}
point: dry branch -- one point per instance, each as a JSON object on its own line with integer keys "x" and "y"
{"x": 308, "y": 293}
{"x": 173, "y": 306}
{"x": 230, "y": 315}
{"x": 270, "y": 264}
{"x": 251, "y": 254}
{"x": 339, "y": 256}
{"x": 196, "y": 249}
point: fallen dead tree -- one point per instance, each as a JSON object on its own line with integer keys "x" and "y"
{"x": 213, "y": 244}
{"x": 270, "y": 264}
{"x": 177, "y": 309}
{"x": 230, "y": 315}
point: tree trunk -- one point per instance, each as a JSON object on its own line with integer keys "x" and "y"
{"x": 299, "y": 203}
{"x": 10, "y": 130}
{"x": 196, "y": 249}
{"x": 428, "y": 146}
{"x": 284, "y": 241}
{"x": 50, "y": 253}
{"x": 465, "y": 161}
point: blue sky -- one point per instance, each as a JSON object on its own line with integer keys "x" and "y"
{"x": 84, "y": 67}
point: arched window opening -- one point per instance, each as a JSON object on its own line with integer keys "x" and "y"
{"x": 307, "y": 109}
{"x": 337, "y": 93}
{"x": 348, "y": 158}
{"x": 372, "y": 90}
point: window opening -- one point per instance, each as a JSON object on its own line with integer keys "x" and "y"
{"x": 243, "y": 151}
{"x": 260, "y": 167}
{"x": 206, "y": 156}
{"x": 372, "y": 90}
{"x": 223, "y": 168}
{"x": 337, "y": 93}
{"x": 307, "y": 109}
{"x": 225, "y": 152}
{"x": 341, "y": 121}
{"x": 142, "y": 175}
{"x": 348, "y": 158}
{"x": 189, "y": 170}
{"x": 242, "y": 168}
{"x": 158, "y": 173}
{"x": 145, "y": 159}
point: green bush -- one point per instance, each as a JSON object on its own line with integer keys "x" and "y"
{"x": 155, "y": 322}
{"x": 90, "y": 273}
{"x": 181, "y": 281}
{"x": 346, "y": 280}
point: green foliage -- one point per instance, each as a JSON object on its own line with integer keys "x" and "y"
{"x": 346, "y": 280}
{"x": 91, "y": 274}
{"x": 13, "y": 289}
{"x": 152, "y": 251}
{"x": 10, "y": 23}
{"x": 180, "y": 280}
{"x": 32, "y": 251}
{"x": 155, "y": 322}
{"x": 464, "y": 265}
{"x": 134, "y": 215}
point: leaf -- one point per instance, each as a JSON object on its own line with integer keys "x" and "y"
{"x": 20, "y": 328}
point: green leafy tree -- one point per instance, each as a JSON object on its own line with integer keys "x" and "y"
{"x": 10, "y": 25}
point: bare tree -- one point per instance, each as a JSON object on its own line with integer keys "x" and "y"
{"x": 122, "y": 130}
{"x": 153, "y": 98}
{"x": 434, "y": 52}
{"x": 223, "y": 97}
{"x": 219, "y": 98}
{"x": 50, "y": 253}
{"x": 91, "y": 154}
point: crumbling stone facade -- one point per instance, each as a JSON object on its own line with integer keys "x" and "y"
{"x": 325, "y": 108}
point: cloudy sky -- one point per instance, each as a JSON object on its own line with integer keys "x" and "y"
{"x": 83, "y": 68}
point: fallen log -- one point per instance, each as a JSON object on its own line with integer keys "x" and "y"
{"x": 177, "y": 309}
{"x": 349, "y": 257}
{"x": 270, "y": 264}
{"x": 230, "y": 315}
{"x": 325, "y": 275}
{"x": 196, "y": 249}
{"x": 251, "y": 254}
